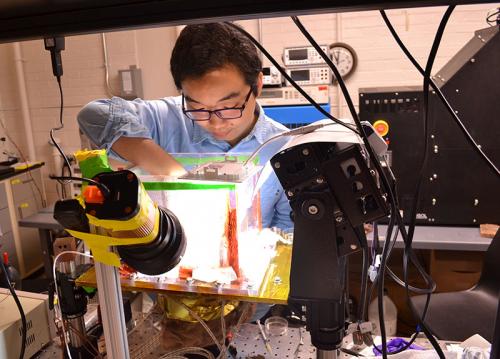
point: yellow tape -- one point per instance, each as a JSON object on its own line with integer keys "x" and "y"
{"x": 23, "y": 166}
{"x": 207, "y": 308}
{"x": 279, "y": 267}
{"x": 99, "y": 244}
{"x": 84, "y": 154}
{"x": 146, "y": 206}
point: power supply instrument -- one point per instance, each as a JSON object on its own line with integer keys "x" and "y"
{"x": 287, "y": 96}
{"x": 303, "y": 55}
{"x": 310, "y": 75}
{"x": 272, "y": 77}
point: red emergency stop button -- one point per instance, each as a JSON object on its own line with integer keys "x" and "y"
{"x": 382, "y": 127}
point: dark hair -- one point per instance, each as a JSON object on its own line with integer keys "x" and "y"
{"x": 205, "y": 47}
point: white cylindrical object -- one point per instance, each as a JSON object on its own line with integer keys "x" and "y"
{"x": 390, "y": 316}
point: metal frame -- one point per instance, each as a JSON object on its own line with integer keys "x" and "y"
{"x": 31, "y": 19}
{"x": 113, "y": 317}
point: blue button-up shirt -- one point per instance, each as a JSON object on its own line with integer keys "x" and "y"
{"x": 104, "y": 121}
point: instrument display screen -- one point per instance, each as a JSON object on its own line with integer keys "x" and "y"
{"x": 300, "y": 75}
{"x": 298, "y": 54}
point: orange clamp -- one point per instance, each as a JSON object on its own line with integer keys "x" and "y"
{"x": 92, "y": 194}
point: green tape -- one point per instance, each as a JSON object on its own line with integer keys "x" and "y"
{"x": 191, "y": 160}
{"x": 89, "y": 290}
{"x": 94, "y": 165}
{"x": 168, "y": 186}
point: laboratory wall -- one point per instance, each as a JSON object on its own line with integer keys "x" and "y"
{"x": 10, "y": 124}
{"x": 380, "y": 60}
{"x": 380, "y": 63}
{"x": 83, "y": 81}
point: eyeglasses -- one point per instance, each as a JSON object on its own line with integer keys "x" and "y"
{"x": 223, "y": 113}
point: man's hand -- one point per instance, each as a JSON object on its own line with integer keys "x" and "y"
{"x": 146, "y": 154}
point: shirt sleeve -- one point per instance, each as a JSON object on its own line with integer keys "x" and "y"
{"x": 275, "y": 206}
{"x": 282, "y": 212}
{"x": 105, "y": 121}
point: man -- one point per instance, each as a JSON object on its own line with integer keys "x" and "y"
{"x": 218, "y": 72}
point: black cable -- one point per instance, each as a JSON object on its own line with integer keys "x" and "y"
{"x": 495, "y": 21}
{"x": 411, "y": 288}
{"x": 411, "y": 229}
{"x": 338, "y": 76}
{"x": 361, "y": 132}
{"x": 63, "y": 183}
{"x": 289, "y": 79}
{"x": 60, "y": 127}
{"x": 351, "y": 352}
{"x": 364, "y": 285}
{"x": 400, "y": 282}
{"x": 372, "y": 287}
{"x": 380, "y": 279}
{"x": 443, "y": 99}
{"x": 427, "y": 74}
{"x": 408, "y": 238}
{"x": 432, "y": 285}
{"x": 105, "y": 190}
{"x": 415, "y": 335}
{"x": 370, "y": 299}
{"x": 375, "y": 242}
{"x": 19, "y": 307}
{"x": 378, "y": 167}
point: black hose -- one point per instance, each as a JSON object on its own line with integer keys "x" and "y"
{"x": 104, "y": 189}
{"x": 364, "y": 285}
{"x": 19, "y": 307}
{"x": 377, "y": 165}
{"x": 443, "y": 99}
{"x": 60, "y": 127}
{"x": 289, "y": 79}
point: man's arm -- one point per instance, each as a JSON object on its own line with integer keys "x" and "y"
{"x": 146, "y": 154}
{"x": 126, "y": 129}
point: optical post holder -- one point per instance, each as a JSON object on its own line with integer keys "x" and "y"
{"x": 332, "y": 193}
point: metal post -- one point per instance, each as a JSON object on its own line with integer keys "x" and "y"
{"x": 326, "y": 354}
{"x": 77, "y": 334}
{"x": 495, "y": 346}
{"x": 113, "y": 317}
{"x": 78, "y": 324}
{"x": 46, "y": 244}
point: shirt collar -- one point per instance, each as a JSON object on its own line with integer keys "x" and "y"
{"x": 259, "y": 130}
{"x": 199, "y": 134}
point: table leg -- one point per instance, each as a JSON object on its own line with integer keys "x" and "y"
{"x": 46, "y": 244}
{"x": 495, "y": 347}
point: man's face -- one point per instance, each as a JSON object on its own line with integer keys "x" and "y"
{"x": 220, "y": 89}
